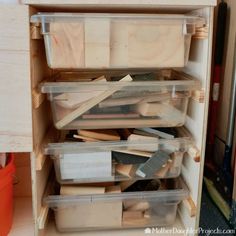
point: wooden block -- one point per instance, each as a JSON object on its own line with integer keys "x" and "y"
{"x": 137, "y": 222}
{"x": 79, "y": 190}
{"x": 97, "y": 42}
{"x": 67, "y": 44}
{"x": 113, "y": 189}
{"x": 125, "y": 184}
{"x": 119, "y": 44}
{"x": 153, "y": 164}
{"x": 191, "y": 207}
{"x": 150, "y": 44}
{"x": 140, "y": 206}
{"x": 148, "y": 147}
{"x": 105, "y": 135}
{"x": 163, "y": 171}
{"x": 90, "y": 214}
{"x": 132, "y": 215}
{"x": 126, "y": 170}
{"x": 151, "y": 109}
{"x": 89, "y": 104}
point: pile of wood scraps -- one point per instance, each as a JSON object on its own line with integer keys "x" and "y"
{"x": 142, "y": 153}
{"x": 119, "y": 101}
{"x": 116, "y": 213}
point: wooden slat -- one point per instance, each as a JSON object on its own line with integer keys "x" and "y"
{"x": 125, "y": 2}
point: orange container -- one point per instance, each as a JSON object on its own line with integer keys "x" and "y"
{"x": 6, "y": 196}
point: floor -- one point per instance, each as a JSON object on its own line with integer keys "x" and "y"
{"x": 211, "y": 218}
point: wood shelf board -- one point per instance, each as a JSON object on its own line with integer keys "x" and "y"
{"x": 123, "y": 2}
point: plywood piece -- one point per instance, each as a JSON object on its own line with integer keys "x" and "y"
{"x": 151, "y": 44}
{"x": 67, "y": 44}
{"x": 97, "y": 43}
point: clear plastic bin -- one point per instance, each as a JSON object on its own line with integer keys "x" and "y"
{"x": 118, "y": 210}
{"x": 116, "y": 161}
{"x": 136, "y": 100}
{"x": 98, "y": 40}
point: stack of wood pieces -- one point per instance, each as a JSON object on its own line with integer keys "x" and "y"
{"x": 112, "y": 102}
{"x": 118, "y": 212}
{"x": 140, "y": 157}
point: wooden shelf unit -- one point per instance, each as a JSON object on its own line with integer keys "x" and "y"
{"x": 24, "y": 127}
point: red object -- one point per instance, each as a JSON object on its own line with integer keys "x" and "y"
{"x": 6, "y": 196}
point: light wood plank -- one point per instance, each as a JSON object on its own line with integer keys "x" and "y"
{"x": 15, "y": 101}
{"x": 125, "y": 2}
{"x": 14, "y": 27}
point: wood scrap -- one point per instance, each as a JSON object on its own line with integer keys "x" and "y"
{"x": 84, "y": 138}
{"x": 113, "y": 189}
{"x": 104, "y": 135}
{"x": 89, "y": 104}
{"x": 126, "y": 170}
{"x": 132, "y": 215}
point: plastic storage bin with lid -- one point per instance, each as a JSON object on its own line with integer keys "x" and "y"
{"x": 6, "y": 195}
{"x": 104, "y": 161}
{"x": 98, "y": 40}
{"x": 143, "y": 204}
{"x": 157, "y": 99}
